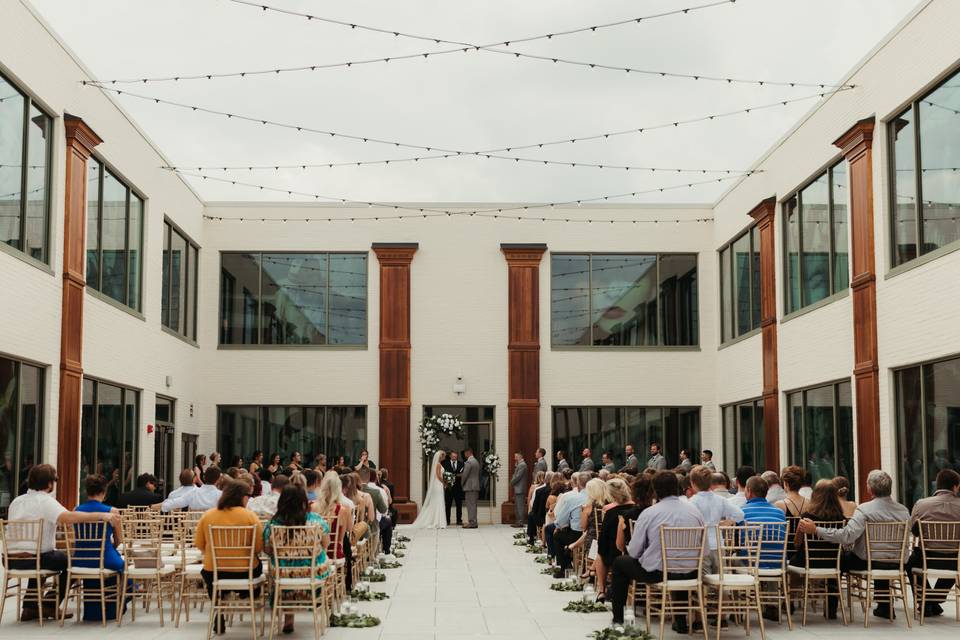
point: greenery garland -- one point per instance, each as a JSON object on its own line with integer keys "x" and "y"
{"x": 366, "y": 596}
{"x": 579, "y": 606}
{"x": 547, "y": 571}
{"x": 630, "y": 633}
{"x": 566, "y": 586}
{"x": 353, "y": 620}
{"x": 399, "y": 554}
{"x": 401, "y": 539}
{"x": 519, "y": 535}
{"x": 374, "y": 576}
{"x": 389, "y": 565}
{"x": 542, "y": 559}
{"x": 520, "y": 542}
{"x": 534, "y": 548}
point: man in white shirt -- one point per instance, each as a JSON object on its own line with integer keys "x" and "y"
{"x": 715, "y": 509}
{"x": 186, "y": 487}
{"x": 266, "y": 504}
{"x": 743, "y": 474}
{"x": 203, "y": 498}
{"x": 38, "y": 503}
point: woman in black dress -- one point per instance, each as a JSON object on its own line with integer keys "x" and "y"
{"x": 823, "y": 506}
{"x": 620, "y": 509}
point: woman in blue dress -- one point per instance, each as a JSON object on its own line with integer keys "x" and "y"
{"x": 96, "y": 486}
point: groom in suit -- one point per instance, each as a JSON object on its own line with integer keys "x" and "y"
{"x": 454, "y": 465}
{"x": 470, "y": 482}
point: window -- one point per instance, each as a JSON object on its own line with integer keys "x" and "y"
{"x": 609, "y": 429}
{"x": 21, "y": 414}
{"x": 624, "y": 300}
{"x": 310, "y": 430}
{"x": 293, "y": 298}
{"x": 25, "y": 133}
{"x": 816, "y": 239}
{"x": 821, "y": 431}
{"x": 740, "y": 285}
{"x": 109, "y": 430}
{"x": 743, "y": 439}
{"x": 179, "y": 295}
{"x": 928, "y": 425}
{"x": 925, "y": 140}
{"x": 114, "y": 236}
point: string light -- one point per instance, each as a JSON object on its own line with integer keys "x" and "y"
{"x": 457, "y": 152}
{"x": 425, "y": 212}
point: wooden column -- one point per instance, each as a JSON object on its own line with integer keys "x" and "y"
{"x": 80, "y": 143}
{"x": 765, "y": 216}
{"x": 857, "y": 144}
{"x": 523, "y": 350}
{"x": 395, "y": 259}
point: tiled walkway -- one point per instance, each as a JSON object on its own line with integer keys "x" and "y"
{"x": 457, "y": 584}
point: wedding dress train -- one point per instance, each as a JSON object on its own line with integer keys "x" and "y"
{"x": 433, "y": 513}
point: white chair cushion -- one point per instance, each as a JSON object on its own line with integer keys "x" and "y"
{"x": 814, "y": 572}
{"x": 729, "y": 579}
{"x": 877, "y": 573}
{"x": 677, "y": 585}
{"x": 931, "y": 573}
{"x": 193, "y": 569}
{"x": 297, "y": 583}
{"x": 91, "y": 571}
{"x": 238, "y": 583}
{"x": 30, "y": 573}
{"x": 149, "y": 572}
{"x": 763, "y": 573}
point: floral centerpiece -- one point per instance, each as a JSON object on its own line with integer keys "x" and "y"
{"x": 491, "y": 463}
{"x": 432, "y": 428}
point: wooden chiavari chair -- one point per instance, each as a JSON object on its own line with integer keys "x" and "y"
{"x": 681, "y": 550}
{"x": 191, "y": 590}
{"x": 738, "y": 549}
{"x": 887, "y": 545}
{"x": 820, "y": 573}
{"x": 87, "y": 577}
{"x": 299, "y": 581}
{"x": 939, "y": 544}
{"x": 149, "y": 575}
{"x": 233, "y": 550}
{"x": 20, "y": 541}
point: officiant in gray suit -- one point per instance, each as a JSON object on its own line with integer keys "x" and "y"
{"x": 470, "y": 481}
{"x": 518, "y": 482}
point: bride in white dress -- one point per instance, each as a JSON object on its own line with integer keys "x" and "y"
{"x": 433, "y": 514}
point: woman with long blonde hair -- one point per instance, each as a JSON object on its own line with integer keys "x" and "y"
{"x": 591, "y": 513}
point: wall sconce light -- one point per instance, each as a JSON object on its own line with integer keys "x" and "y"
{"x": 459, "y": 387}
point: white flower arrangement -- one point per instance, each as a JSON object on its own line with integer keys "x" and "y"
{"x": 432, "y": 428}
{"x": 491, "y": 463}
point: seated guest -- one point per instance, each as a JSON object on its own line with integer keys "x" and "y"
{"x": 204, "y": 498}
{"x": 539, "y": 478}
{"x": 843, "y": 490}
{"x": 568, "y": 528}
{"x": 882, "y": 508}
{"x": 743, "y": 474}
{"x": 293, "y": 510}
{"x": 806, "y": 487}
{"x": 823, "y": 506}
{"x": 330, "y": 504}
{"x": 38, "y": 503}
{"x": 942, "y": 506}
{"x": 96, "y": 490}
{"x": 558, "y": 487}
{"x": 383, "y": 524}
{"x": 591, "y": 514}
{"x": 266, "y": 505}
{"x": 144, "y": 495}
{"x": 537, "y": 515}
{"x": 714, "y": 509}
{"x": 758, "y": 510}
{"x": 720, "y": 484}
{"x": 231, "y": 511}
{"x": 620, "y": 509}
{"x": 186, "y": 487}
{"x": 312, "y": 478}
{"x": 706, "y": 459}
{"x": 793, "y": 504}
{"x": 643, "y": 561}
{"x": 775, "y": 492}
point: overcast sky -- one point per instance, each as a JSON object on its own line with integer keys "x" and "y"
{"x": 476, "y": 100}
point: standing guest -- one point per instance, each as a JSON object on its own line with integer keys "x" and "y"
{"x": 714, "y": 509}
{"x": 644, "y": 562}
{"x": 231, "y": 511}
{"x": 685, "y": 462}
{"x": 518, "y": 482}
{"x": 538, "y": 506}
{"x": 882, "y": 508}
{"x": 656, "y": 461}
{"x": 942, "y": 506}
{"x": 616, "y": 513}
{"x": 198, "y": 464}
{"x": 330, "y": 504}
{"x": 144, "y": 495}
{"x": 586, "y": 462}
{"x": 381, "y": 503}
{"x": 364, "y": 461}
{"x": 96, "y": 490}
{"x": 744, "y": 473}
{"x": 540, "y": 460}
{"x": 775, "y": 492}
{"x": 256, "y": 462}
{"x": 295, "y": 460}
{"x": 321, "y": 464}
{"x": 706, "y": 459}
{"x": 453, "y": 494}
{"x": 312, "y": 479}
{"x": 293, "y": 510}
{"x": 562, "y": 461}
{"x": 606, "y": 462}
{"x": 236, "y": 462}
{"x": 843, "y": 490}
{"x": 265, "y": 505}
{"x": 341, "y": 463}
{"x": 568, "y": 525}
{"x": 632, "y": 465}
{"x": 215, "y": 459}
{"x": 275, "y": 465}
{"x": 204, "y": 498}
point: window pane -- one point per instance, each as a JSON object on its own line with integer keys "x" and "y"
{"x": 31, "y": 421}
{"x": 624, "y": 299}
{"x": 237, "y": 432}
{"x": 348, "y": 298}
{"x": 113, "y": 238}
{"x": 191, "y": 297}
{"x": 745, "y": 433}
{"x": 165, "y": 277}
{"x": 38, "y": 197}
{"x": 8, "y": 432}
{"x": 742, "y": 264}
{"x": 178, "y": 280}
{"x": 636, "y": 423}
{"x": 131, "y": 406}
{"x": 287, "y": 432}
{"x": 239, "y": 296}
{"x": 135, "y": 246}
{"x": 88, "y": 432}
{"x": 939, "y": 155}
{"x": 795, "y": 417}
{"x": 726, "y": 284}
{"x": 759, "y": 459}
{"x": 818, "y": 428}
{"x": 904, "y": 189}
{"x": 792, "y": 231}
{"x": 910, "y": 435}
{"x": 294, "y": 298}
{"x": 942, "y": 406}
{"x": 93, "y": 223}
{"x": 570, "y": 299}
{"x": 729, "y": 438}
{"x": 607, "y": 434}
{"x": 109, "y": 437}
{"x": 845, "y": 435}
{"x": 815, "y": 234}
{"x": 654, "y": 418}
{"x": 346, "y": 433}
{"x": 841, "y": 226}
{"x": 12, "y": 105}
{"x": 755, "y": 275}
{"x": 163, "y": 410}
{"x": 570, "y": 432}
{"x": 678, "y": 300}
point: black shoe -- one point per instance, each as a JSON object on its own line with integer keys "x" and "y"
{"x": 220, "y": 626}
{"x": 559, "y": 574}
{"x": 883, "y": 611}
{"x": 697, "y": 627}
{"x": 932, "y": 610}
{"x": 771, "y": 613}
{"x": 680, "y": 626}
